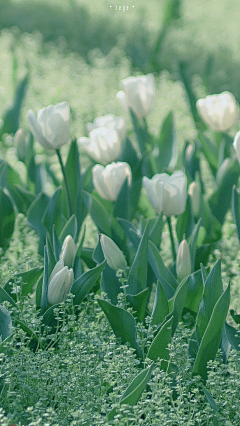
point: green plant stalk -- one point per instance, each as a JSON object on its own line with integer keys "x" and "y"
{"x": 69, "y": 207}
{"x": 174, "y": 255}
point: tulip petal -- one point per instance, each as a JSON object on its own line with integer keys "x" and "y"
{"x": 36, "y": 130}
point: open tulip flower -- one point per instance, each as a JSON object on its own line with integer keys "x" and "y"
{"x": 51, "y": 128}
{"x": 111, "y": 122}
{"x": 109, "y": 180}
{"x": 103, "y": 145}
{"x": 137, "y": 93}
{"x": 167, "y": 194}
{"x": 218, "y": 111}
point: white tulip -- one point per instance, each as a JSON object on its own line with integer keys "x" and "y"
{"x": 60, "y": 283}
{"x": 109, "y": 180}
{"x": 167, "y": 194}
{"x": 236, "y": 145}
{"x": 103, "y": 145}
{"x": 68, "y": 252}
{"x": 111, "y": 122}
{"x": 137, "y": 93}
{"x": 218, "y": 111}
{"x": 194, "y": 193}
{"x": 113, "y": 255}
{"x": 51, "y": 128}
{"x": 183, "y": 265}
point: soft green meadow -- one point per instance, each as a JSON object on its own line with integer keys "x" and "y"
{"x": 119, "y": 298}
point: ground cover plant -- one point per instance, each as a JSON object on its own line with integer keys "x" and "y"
{"x": 119, "y": 236}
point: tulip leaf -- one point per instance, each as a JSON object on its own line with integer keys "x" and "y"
{"x": 10, "y": 180}
{"x": 98, "y": 213}
{"x": 192, "y": 100}
{"x": 69, "y": 229}
{"x": 74, "y": 181}
{"x": 159, "y": 345}
{"x": 122, "y": 323}
{"x": 50, "y": 320}
{"x": 195, "y": 291}
{"x": 178, "y": 302}
{"x": 236, "y": 209}
{"x": 221, "y": 198}
{"x": 33, "y": 342}
{"x": 213, "y": 289}
{"x": 5, "y": 297}
{"x": 210, "y": 341}
{"x": 166, "y": 145}
{"x": 44, "y": 292}
{"x": 155, "y": 234}
{"x": 225, "y": 345}
{"x": 35, "y": 214}
{"x": 210, "y": 151}
{"x": 139, "y": 302}
{"x": 202, "y": 255}
{"x": 233, "y": 336}
{"x": 22, "y": 198}
{"x": 185, "y": 222}
{"x": 160, "y": 306}
{"x": 52, "y": 215}
{"x": 122, "y": 203}
{"x": 26, "y": 281}
{"x": 5, "y": 323}
{"x": 84, "y": 284}
{"x": 7, "y": 220}
{"x": 140, "y": 132}
{"x": 12, "y": 115}
{"x": 110, "y": 283}
{"x": 130, "y": 231}
{"x": 137, "y": 278}
{"x": 163, "y": 274}
{"x": 134, "y": 390}
{"x": 87, "y": 257}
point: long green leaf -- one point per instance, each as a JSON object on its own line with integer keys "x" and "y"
{"x": 122, "y": 323}
{"x": 160, "y": 306}
{"x": 212, "y": 336}
{"x": 7, "y": 220}
{"x": 134, "y": 390}
{"x": 166, "y": 145}
{"x": 137, "y": 278}
{"x": 26, "y": 280}
{"x": 236, "y": 209}
{"x": 83, "y": 285}
{"x": 159, "y": 346}
{"x": 98, "y": 213}
{"x": 5, "y": 323}
{"x": 138, "y": 302}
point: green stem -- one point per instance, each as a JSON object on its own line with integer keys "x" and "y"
{"x": 69, "y": 207}
{"x": 171, "y": 238}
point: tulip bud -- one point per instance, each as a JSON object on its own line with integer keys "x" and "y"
{"x": 218, "y": 111}
{"x": 51, "y": 128}
{"x": 60, "y": 285}
{"x": 113, "y": 255}
{"x": 109, "y": 180}
{"x": 20, "y": 144}
{"x": 183, "y": 261}
{"x": 137, "y": 93}
{"x": 68, "y": 251}
{"x": 194, "y": 193}
{"x": 236, "y": 145}
{"x": 167, "y": 194}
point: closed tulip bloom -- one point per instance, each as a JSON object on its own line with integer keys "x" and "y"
{"x": 111, "y": 122}
{"x": 68, "y": 251}
{"x": 167, "y": 194}
{"x": 103, "y": 145}
{"x": 109, "y": 180}
{"x": 113, "y": 255}
{"x": 137, "y": 93}
{"x": 236, "y": 145}
{"x": 51, "y": 128}
{"x": 183, "y": 265}
{"x": 194, "y": 193}
{"x": 60, "y": 283}
{"x": 218, "y": 111}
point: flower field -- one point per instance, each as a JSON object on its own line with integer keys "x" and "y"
{"x": 119, "y": 222}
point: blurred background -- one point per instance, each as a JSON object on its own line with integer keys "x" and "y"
{"x": 79, "y": 50}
